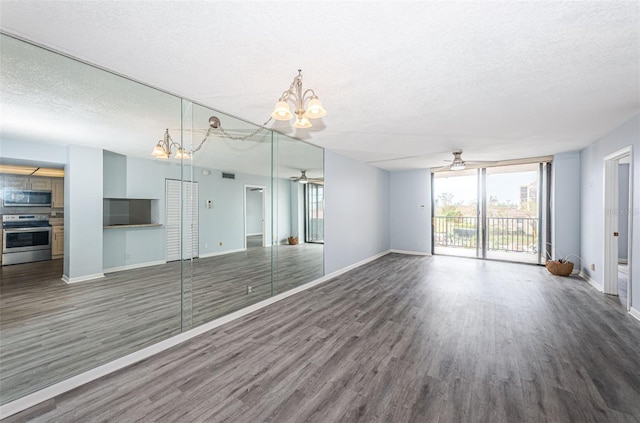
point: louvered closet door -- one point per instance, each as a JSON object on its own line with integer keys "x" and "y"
{"x": 189, "y": 220}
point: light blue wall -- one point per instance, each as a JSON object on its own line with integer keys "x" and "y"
{"x": 565, "y": 206}
{"x": 83, "y": 212}
{"x": 623, "y": 222}
{"x": 33, "y": 151}
{"x": 115, "y": 175}
{"x": 411, "y": 210}
{"x": 592, "y": 201}
{"x": 223, "y": 223}
{"x": 357, "y": 210}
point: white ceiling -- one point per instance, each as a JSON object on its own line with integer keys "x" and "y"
{"x": 500, "y": 80}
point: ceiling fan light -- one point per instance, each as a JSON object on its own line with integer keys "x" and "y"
{"x": 315, "y": 109}
{"x": 282, "y": 111}
{"x": 457, "y": 166}
{"x": 302, "y": 122}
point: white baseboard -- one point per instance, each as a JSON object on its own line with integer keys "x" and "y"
{"x": 635, "y": 313}
{"x": 66, "y": 385}
{"x": 354, "y": 265}
{"x": 77, "y": 279}
{"x": 413, "y": 253}
{"x": 253, "y": 234}
{"x": 594, "y": 283}
{"x": 220, "y": 253}
{"x": 133, "y": 266}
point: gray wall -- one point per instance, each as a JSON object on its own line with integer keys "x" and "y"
{"x": 411, "y": 210}
{"x": 623, "y": 205}
{"x": 356, "y": 211}
{"x": 565, "y": 206}
{"x": 592, "y": 201}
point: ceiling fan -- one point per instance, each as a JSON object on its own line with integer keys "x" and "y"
{"x": 303, "y": 179}
{"x": 458, "y": 164}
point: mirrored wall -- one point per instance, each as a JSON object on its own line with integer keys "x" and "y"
{"x": 142, "y": 248}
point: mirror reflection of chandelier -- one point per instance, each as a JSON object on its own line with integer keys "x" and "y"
{"x": 307, "y": 106}
{"x": 313, "y": 109}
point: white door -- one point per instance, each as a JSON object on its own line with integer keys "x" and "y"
{"x": 189, "y": 194}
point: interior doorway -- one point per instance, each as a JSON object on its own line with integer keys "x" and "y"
{"x": 618, "y": 202}
{"x": 254, "y": 211}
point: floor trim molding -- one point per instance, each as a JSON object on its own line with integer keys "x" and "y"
{"x": 594, "y": 283}
{"x": 66, "y": 279}
{"x": 133, "y": 266}
{"x": 73, "y": 382}
{"x": 635, "y": 313}
{"x": 221, "y": 253}
{"x": 411, "y": 253}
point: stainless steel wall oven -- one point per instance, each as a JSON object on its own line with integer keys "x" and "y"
{"x": 25, "y": 238}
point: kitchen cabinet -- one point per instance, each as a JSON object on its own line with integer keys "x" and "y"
{"x": 57, "y": 193}
{"x": 26, "y": 182}
{"x": 57, "y": 243}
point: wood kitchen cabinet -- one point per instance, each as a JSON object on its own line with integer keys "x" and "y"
{"x": 57, "y": 243}
{"x": 26, "y": 182}
{"x": 57, "y": 193}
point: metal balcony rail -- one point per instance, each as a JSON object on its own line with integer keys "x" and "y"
{"x": 515, "y": 234}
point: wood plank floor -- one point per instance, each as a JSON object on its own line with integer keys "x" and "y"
{"x": 50, "y": 331}
{"x": 402, "y": 339}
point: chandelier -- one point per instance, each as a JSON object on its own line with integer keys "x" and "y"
{"x": 298, "y": 98}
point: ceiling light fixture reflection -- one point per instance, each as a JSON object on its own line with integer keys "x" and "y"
{"x": 307, "y": 105}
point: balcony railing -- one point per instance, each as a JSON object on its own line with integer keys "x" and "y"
{"x": 515, "y": 234}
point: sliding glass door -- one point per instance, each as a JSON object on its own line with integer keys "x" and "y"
{"x": 456, "y": 214}
{"x": 314, "y": 211}
{"x": 492, "y": 212}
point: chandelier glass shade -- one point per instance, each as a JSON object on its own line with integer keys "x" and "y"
{"x": 307, "y": 105}
{"x": 162, "y": 150}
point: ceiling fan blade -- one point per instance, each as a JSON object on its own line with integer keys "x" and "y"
{"x": 441, "y": 169}
{"x": 394, "y": 159}
{"x": 479, "y": 162}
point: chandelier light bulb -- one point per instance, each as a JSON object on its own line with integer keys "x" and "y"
{"x": 302, "y": 122}
{"x": 158, "y": 151}
{"x": 315, "y": 109}
{"x": 282, "y": 111}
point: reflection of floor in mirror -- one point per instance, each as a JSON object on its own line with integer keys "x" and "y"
{"x": 400, "y": 339}
{"x": 623, "y": 274}
{"x": 50, "y": 331}
{"x": 254, "y": 241}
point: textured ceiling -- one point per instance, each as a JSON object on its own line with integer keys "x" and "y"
{"x": 500, "y": 80}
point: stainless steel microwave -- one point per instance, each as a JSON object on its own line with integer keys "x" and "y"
{"x": 26, "y": 198}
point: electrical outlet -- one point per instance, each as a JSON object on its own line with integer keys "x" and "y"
{"x": 593, "y": 267}
{"x": 206, "y": 245}
{"x": 418, "y": 243}
{"x": 127, "y": 256}
{"x": 249, "y": 289}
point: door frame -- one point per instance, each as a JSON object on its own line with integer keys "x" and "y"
{"x": 244, "y": 209}
{"x": 612, "y": 213}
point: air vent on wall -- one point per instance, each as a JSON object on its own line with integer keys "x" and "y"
{"x": 228, "y": 175}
